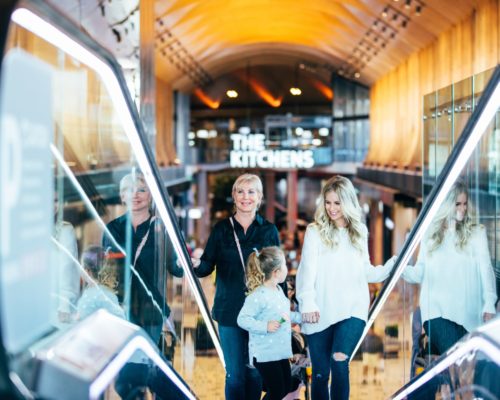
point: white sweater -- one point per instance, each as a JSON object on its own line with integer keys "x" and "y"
{"x": 334, "y": 281}
{"x": 458, "y": 285}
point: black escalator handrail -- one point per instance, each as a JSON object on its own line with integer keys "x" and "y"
{"x": 473, "y": 342}
{"x": 481, "y": 117}
{"x": 151, "y": 172}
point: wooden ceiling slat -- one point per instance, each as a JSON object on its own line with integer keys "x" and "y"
{"x": 211, "y": 29}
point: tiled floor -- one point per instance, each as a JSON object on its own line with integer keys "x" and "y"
{"x": 207, "y": 379}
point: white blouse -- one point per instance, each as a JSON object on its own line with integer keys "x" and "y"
{"x": 456, "y": 284}
{"x": 334, "y": 281}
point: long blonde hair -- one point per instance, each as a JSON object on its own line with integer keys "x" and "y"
{"x": 351, "y": 211}
{"x": 446, "y": 213}
{"x": 261, "y": 264}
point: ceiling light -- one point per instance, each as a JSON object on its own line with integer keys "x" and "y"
{"x": 232, "y": 94}
{"x": 357, "y": 74}
{"x": 404, "y": 23}
{"x": 295, "y": 91}
{"x": 384, "y": 13}
{"x": 324, "y": 131}
{"x": 418, "y": 10}
{"x": 408, "y": 4}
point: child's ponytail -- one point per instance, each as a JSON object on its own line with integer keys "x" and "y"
{"x": 255, "y": 276}
{"x": 261, "y": 265}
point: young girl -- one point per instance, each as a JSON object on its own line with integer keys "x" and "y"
{"x": 266, "y": 316}
{"x": 100, "y": 284}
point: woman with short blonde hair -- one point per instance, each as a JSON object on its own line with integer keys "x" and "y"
{"x": 228, "y": 248}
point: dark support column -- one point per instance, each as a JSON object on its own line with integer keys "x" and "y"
{"x": 270, "y": 194}
{"x": 147, "y": 70}
{"x": 292, "y": 207}
{"x": 203, "y": 225}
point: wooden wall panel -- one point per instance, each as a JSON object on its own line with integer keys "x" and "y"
{"x": 165, "y": 148}
{"x": 469, "y": 47}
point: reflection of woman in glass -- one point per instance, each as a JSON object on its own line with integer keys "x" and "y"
{"x": 144, "y": 257}
{"x": 332, "y": 286}
{"x": 244, "y": 231}
{"x": 454, "y": 269}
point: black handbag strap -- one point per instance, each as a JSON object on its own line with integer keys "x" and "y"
{"x": 239, "y": 250}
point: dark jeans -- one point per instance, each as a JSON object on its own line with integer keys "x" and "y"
{"x": 443, "y": 333}
{"x": 277, "y": 378}
{"x": 242, "y": 381}
{"x": 341, "y": 337}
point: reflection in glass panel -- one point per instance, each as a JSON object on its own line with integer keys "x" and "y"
{"x": 429, "y": 142}
{"x": 444, "y": 127}
{"x": 457, "y": 260}
{"x": 462, "y": 105}
{"x": 388, "y": 349}
{"x": 139, "y": 378}
{"x": 110, "y": 250}
{"x": 471, "y": 374}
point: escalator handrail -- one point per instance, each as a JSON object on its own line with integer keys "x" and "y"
{"x": 474, "y": 129}
{"x": 473, "y": 342}
{"x": 152, "y": 175}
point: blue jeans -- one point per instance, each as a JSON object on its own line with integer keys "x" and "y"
{"x": 443, "y": 333}
{"x": 242, "y": 381}
{"x": 340, "y": 337}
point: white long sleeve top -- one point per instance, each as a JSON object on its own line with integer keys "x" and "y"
{"x": 456, "y": 284}
{"x": 334, "y": 281}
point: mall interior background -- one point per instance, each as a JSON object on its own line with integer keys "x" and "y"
{"x": 386, "y": 90}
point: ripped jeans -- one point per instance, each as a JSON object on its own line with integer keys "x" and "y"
{"x": 330, "y": 350}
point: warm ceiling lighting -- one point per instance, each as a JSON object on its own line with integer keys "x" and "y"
{"x": 232, "y": 94}
{"x": 264, "y": 94}
{"x": 323, "y": 89}
{"x": 295, "y": 91}
{"x": 205, "y": 99}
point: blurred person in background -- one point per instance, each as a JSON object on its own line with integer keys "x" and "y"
{"x": 373, "y": 350}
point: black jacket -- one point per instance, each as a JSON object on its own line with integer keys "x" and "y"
{"x": 221, "y": 252}
{"x": 148, "y": 266}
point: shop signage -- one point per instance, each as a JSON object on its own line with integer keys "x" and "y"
{"x": 249, "y": 151}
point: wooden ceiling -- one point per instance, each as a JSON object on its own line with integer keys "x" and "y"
{"x": 199, "y": 40}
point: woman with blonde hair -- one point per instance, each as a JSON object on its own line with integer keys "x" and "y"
{"x": 454, "y": 269}
{"x": 228, "y": 248}
{"x": 140, "y": 231}
{"x": 332, "y": 286}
